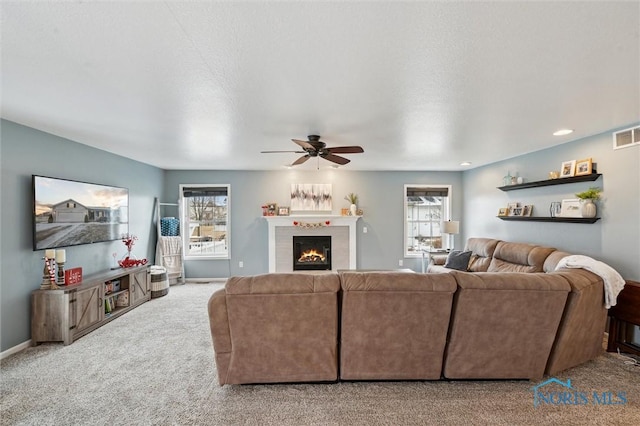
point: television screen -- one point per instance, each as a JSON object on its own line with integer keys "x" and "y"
{"x": 69, "y": 213}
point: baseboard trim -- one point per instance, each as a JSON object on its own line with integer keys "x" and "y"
{"x": 15, "y": 349}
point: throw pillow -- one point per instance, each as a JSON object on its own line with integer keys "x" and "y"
{"x": 458, "y": 260}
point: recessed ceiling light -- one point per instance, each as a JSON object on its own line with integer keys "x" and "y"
{"x": 287, "y": 166}
{"x": 465, "y": 163}
{"x": 334, "y": 166}
{"x": 562, "y": 132}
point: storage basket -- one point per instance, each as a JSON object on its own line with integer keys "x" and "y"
{"x": 169, "y": 227}
{"x": 159, "y": 281}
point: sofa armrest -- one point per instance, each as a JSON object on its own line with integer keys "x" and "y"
{"x": 220, "y": 332}
{"x": 438, "y": 259}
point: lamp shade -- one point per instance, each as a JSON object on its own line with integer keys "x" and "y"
{"x": 450, "y": 227}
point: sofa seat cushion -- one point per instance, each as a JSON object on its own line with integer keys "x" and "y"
{"x": 519, "y": 257}
{"x": 394, "y": 325}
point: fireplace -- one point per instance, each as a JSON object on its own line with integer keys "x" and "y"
{"x": 311, "y": 253}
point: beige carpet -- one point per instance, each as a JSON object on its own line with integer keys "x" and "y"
{"x": 155, "y": 365}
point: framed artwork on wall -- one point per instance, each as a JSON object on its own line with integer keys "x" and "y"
{"x": 311, "y": 197}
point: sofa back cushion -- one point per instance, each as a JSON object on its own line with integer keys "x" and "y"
{"x": 481, "y": 253}
{"x": 518, "y": 257}
{"x": 503, "y": 324}
{"x": 552, "y": 260}
{"x": 276, "y": 328}
{"x": 394, "y": 325}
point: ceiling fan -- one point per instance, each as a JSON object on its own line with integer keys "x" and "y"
{"x": 314, "y": 147}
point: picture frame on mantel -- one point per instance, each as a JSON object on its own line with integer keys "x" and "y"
{"x": 283, "y": 211}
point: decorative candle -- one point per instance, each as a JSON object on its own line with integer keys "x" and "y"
{"x": 61, "y": 256}
{"x": 50, "y": 254}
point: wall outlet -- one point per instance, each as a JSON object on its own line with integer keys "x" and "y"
{"x": 364, "y": 229}
{"x": 241, "y": 264}
{"x": 400, "y": 262}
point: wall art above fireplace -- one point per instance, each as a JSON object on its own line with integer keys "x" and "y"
{"x": 311, "y": 197}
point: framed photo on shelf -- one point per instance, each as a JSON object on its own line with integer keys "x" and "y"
{"x": 517, "y": 211}
{"x": 503, "y": 211}
{"x": 511, "y": 208}
{"x": 584, "y": 167}
{"x": 570, "y": 208}
{"x": 568, "y": 169}
{"x": 527, "y": 210}
{"x": 283, "y": 211}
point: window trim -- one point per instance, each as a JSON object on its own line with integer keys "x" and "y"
{"x": 447, "y": 214}
{"x": 184, "y": 222}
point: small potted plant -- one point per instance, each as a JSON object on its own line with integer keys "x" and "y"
{"x": 353, "y": 199}
{"x": 587, "y": 198}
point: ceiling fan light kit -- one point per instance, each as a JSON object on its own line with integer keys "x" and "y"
{"x": 314, "y": 147}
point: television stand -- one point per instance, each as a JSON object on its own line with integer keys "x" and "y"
{"x": 70, "y": 312}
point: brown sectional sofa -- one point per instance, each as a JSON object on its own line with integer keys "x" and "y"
{"x": 513, "y": 317}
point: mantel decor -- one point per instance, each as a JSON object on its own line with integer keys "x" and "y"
{"x": 310, "y": 225}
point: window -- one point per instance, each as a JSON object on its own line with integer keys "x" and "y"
{"x": 205, "y": 221}
{"x": 425, "y": 207}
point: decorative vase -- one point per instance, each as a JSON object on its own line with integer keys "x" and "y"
{"x": 353, "y": 209}
{"x": 588, "y": 208}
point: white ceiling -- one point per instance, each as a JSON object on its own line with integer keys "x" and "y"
{"x": 419, "y": 85}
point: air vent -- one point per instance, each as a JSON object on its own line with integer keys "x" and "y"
{"x": 626, "y": 138}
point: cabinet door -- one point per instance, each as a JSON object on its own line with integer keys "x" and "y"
{"x": 89, "y": 307}
{"x": 139, "y": 287}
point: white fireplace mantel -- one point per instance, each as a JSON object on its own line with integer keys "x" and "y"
{"x": 304, "y": 222}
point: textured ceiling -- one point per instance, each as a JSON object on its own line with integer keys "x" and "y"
{"x": 419, "y": 85}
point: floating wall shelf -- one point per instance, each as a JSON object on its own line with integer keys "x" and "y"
{"x": 549, "y": 182}
{"x": 550, "y": 219}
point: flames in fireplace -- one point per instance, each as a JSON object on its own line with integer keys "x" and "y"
{"x": 312, "y": 256}
{"x": 311, "y": 252}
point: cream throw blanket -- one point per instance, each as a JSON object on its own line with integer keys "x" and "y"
{"x": 613, "y": 282}
{"x": 169, "y": 255}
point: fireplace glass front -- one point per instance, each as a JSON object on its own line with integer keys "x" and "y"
{"x": 311, "y": 252}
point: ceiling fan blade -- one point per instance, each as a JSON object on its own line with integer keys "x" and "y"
{"x": 271, "y": 152}
{"x": 301, "y": 160}
{"x": 335, "y": 158}
{"x": 304, "y": 144}
{"x": 346, "y": 150}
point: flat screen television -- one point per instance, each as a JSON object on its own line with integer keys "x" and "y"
{"x": 68, "y": 213}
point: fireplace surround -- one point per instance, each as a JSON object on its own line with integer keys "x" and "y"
{"x": 281, "y": 230}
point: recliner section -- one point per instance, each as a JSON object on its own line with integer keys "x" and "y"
{"x": 394, "y": 325}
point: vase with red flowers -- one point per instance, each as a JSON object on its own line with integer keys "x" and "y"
{"x": 129, "y": 261}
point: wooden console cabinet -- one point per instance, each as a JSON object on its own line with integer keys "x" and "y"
{"x": 626, "y": 311}
{"x": 68, "y": 313}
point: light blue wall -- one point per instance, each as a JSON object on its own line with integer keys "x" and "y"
{"x": 25, "y": 151}
{"x": 615, "y": 239}
{"x": 380, "y": 196}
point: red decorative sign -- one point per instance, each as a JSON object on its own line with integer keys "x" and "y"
{"x": 72, "y": 276}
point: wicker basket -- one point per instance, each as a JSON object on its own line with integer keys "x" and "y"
{"x": 159, "y": 281}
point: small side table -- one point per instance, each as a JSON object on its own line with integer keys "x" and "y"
{"x": 626, "y": 311}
